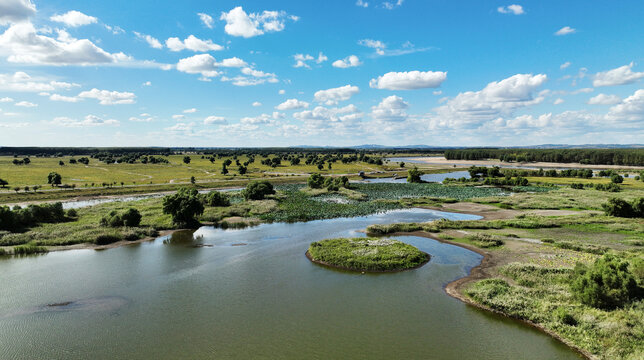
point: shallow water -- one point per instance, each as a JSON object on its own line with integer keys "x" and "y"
{"x": 253, "y": 294}
{"x": 438, "y": 178}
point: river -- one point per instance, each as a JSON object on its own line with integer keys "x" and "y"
{"x": 251, "y": 294}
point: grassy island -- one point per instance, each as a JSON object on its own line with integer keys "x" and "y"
{"x": 367, "y": 254}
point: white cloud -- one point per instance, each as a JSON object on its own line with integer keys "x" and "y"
{"x": 25, "y": 104}
{"x": 74, "y": 19}
{"x": 511, "y": 9}
{"x": 301, "y": 59}
{"x": 23, "y": 82}
{"x": 239, "y": 23}
{"x": 292, "y": 104}
{"x": 630, "y": 109}
{"x": 619, "y": 76}
{"x": 558, "y": 101}
{"x": 378, "y": 45}
{"x": 153, "y": 42}
{"x": 321, "y": 58}
{"x": 265, "y": 119}
{"x": 181, "y": 127}
{"x": 58, "y": 97}
{"x": 178, "y": 117}
{"x": 409, "y": 80}
{"x": 565, "y": 31}
{"x": 89, "y": 120}
{"x": 115, "y": 30}
{"x": 322, "y": 118}
{"x": 251, "y": 77}
{"x": 437, "y": 92}
{"x": 190, "y": 111}
{"x": 22, "y": 43}
{"x": 349, "y": 61}
{"x": 603, "y": 99}
{"x": 203, "y": 64}
{"x": 257, "y": 104}
{"x": 390, "y": 109}
{"x": 14, "y": 11}
{"x": 502, "y": 98}
{"x": 335, "y": 95}
{"x": 6, "y": 99}
{"x": 206, "y": 19}
{"x": 583, "y": 91}
{"x": 233, "y": 62}
{"x": 282, "y": 92}
{"x": 215, "y": 120}
{"x": 192, "y": 43}
{"x": 106, "y": 97}
{"x": 390, "y": 5}
{"x": 142, "y": 118}
{"x": 361, "y": 3}
{"x": 564, "y": 65}
{"x": 147, "y": 83}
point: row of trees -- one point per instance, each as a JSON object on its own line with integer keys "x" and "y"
{"x": 19, "y": 218}
{"x": 633, "y": 157}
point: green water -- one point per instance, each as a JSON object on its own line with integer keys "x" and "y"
{"x": 170, "y": 299}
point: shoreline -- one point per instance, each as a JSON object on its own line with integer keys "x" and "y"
{"x": 332, "y": 266}
{"x": 434, "y": 160}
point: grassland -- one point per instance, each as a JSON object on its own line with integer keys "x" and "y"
{"x": 366, "y": 254}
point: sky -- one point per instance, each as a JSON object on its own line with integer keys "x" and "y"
{"x": 321, "y": 73}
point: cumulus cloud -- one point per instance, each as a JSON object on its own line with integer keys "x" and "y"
{"x": 69, "y": 99}
{"x": 257, "y": 104}
{"x": 203, "y": 64}
{"x": 564, "y": 65}
{"x": 511, "y": 9}
{"x": 349, "y": 61}
{"x": 292, "y": 104}
{"x": 558, "y": 101}
{"x": 321, "y": 118}
{"x": 500, "y": 98}
{"x": 190, "y": 111}
{"x": 215, "y": 120}
{"x": 89, "y": 120}
{"x": 240, "y": 23}
{"x": 25, "y": 104}
{"x": 233, "y": 62}
{"x": 619, "y": 76}
{"x": 390, "y": 109}
{"x": 630, "y": 109}
{"x": 565, "y": 31}
{"x": 390, "y": 5}
{"x": 106, "y": 97}
{"x": 23, "y": 82}
{"x": 335, "y": 95}
{"x": 145, "y": 117}
{"x": 192, "y": 43}
{"x": 207, "y": 20}
{"x": 263, "y": 119}
{"x": 6, "y": 99}
{"x": 409, "y": 80}
{"x": 251, "y": 77}
{"x": 153, "y": 42}
{"x": 603, "y": 99}
{"x": 74, "y": 19}
{"x": 361, "y": 3}
{"x": 378, "y": 45}
{"x": 13, "y": 11}
{"x": 23, "y": 44}
{"x": 301, "y": 60}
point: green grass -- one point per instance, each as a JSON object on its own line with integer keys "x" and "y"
{"x": 542, "y": 295}
{"x": 367, "y": 254}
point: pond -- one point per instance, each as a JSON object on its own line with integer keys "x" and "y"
{"x": 251, "y": 293}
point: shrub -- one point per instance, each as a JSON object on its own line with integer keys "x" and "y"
{"x": 413, "y": 175}
{"x": 29, "y": 249}
{"x": 106, "y": 239}
{"x": 315, "y": 181}
{"x": 607, "y": 284}
{"x": 564, "y": 317}
{"x": 257, "y": 190}
{"x": 616, "y": 179}
{"x": 130, "y": 218}
{"x": 622, "y": 208}
{"x": 184, "y": 206}
{"x": 216, "y": 198}
{"x": 72, "y": 213}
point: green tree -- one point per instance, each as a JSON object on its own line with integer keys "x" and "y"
{"x": 618, "y": 207}
{"x": 257, "y": 190}
{"x": 54, "y": 179}
{"x": 607, "y": 284}
{"x": 413, "y": 175}
{"x": 616, "y": 179}
{"x": 216, "y": 198}
{"x": 184, "y": 206}
{"x": 242, "y": 170}
{"x": 315, "y": 181}
{"x": 402, "y": 164}
{"x": 193, "y": 180}
{"x": 3, "y": 183}
{"x": 186, "y": 159}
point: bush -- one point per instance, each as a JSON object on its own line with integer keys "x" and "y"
{"x": 315, "y": 181}
{"x": 72, "y": 213}
{"x": 413, "y": 175}
{"x": 616, "y": 179}
{"x": 106, "y": 239}
{"x": 130, "y": 218}
{"x": 565, "y": 317}
{"x": 621, "y": 208}
{"x": 184, "y": 206}
{"x": 257, "y": 190}
{"x": 607, "y": 284}
{"x": 216, "y": 198}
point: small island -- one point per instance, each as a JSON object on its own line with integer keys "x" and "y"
{"x": 366, "y": 254}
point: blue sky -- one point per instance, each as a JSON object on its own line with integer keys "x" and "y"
{"x": 281, "y": 73}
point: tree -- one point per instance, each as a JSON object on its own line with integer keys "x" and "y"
{"x": 54, "y": 179}
{"x": 607, "y": 284}
{"x": 224, "y": 169}
{"x": 3, "y": 183}
{"x": 413, "y": 175}
{"x": 242, "y": 170}
{"x": 26, "y": 161}
{"x": 616, "y": 179}
{"x": 131, "y": 218}
{"x": 402, "y": 164}
{"x": 61, "y": 163}
{"x": 257, "y": 190}
{"x": 216, "y": 198}
{"x": 618, "y": 207}
{"x": 193, "y": 180}
{"x": 315, "y": 181}
{"x": 186, "y": 159}
{"x": 184, "y": 206}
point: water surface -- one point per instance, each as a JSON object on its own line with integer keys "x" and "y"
{"x": 251, "y": 295}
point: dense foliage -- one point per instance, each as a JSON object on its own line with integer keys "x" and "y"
{"x": 129, "y": 218}
{"x": 216, "y": 198}
{"x": 184, "y": 206}
{"x": 584, "y": 156}
{"x": 622, "y": 208}
{"x": 18, "y": 218}
{"x": 607, "y": 284}
{"x": 367, "y": 254}
{"x": 257, "y": 190}
{"x": 413, "y": 175}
